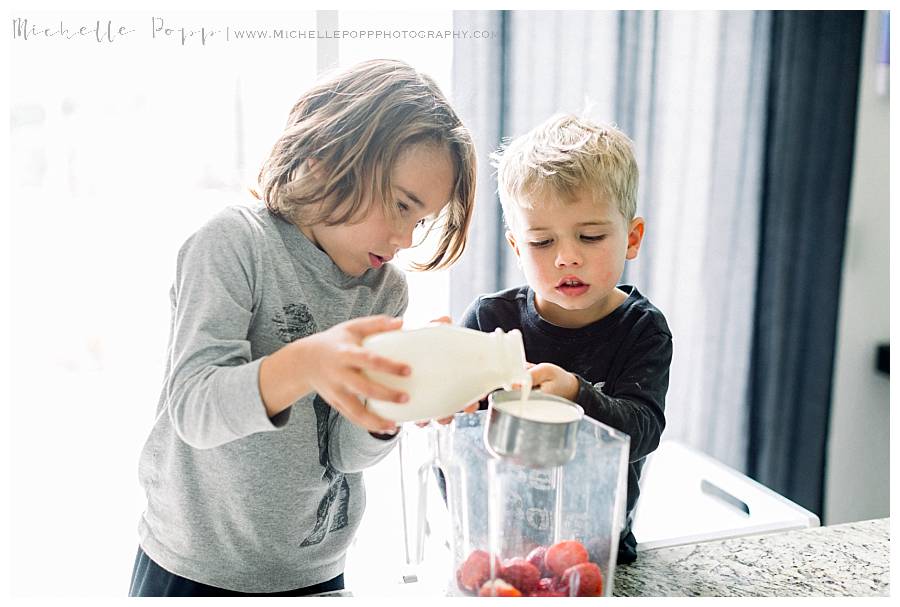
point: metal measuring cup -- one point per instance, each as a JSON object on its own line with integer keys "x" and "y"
{"x": 537, "y": 444}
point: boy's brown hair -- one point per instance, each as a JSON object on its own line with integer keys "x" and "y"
{"x": 354, "y": 125}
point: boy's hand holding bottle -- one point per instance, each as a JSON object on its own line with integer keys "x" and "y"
{"x": 330, "y": 363}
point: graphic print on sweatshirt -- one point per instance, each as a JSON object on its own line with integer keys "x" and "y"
{"x": 295, "y": 323}
{"x": 338, "y": 488}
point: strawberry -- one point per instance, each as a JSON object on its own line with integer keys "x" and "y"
{"x": 545, "y": 583}
{"x": 550, "y": 587}
{"x": 583, "y": 579}
{"x": 476, "y": 570}
{"x": 564, "y": 554}
{"x": 536, "y": 558}
{"x": 498, "y": 588}
{"x": 521, "y": 574}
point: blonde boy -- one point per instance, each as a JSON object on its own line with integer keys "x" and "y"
{"x": 569, "y": 192}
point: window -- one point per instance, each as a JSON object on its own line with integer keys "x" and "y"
{"x": 119, "y": 151}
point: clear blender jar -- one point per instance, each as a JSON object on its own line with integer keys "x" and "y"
{"x": 504, "y": 505}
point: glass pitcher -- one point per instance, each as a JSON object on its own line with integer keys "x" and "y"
{"x": 509, "y": 510}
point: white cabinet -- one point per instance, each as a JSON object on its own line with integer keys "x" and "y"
{"x": 688, "y": 497}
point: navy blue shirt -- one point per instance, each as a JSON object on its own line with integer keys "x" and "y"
{"x": 621, "y": 362}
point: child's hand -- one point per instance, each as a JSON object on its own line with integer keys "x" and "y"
{"x": 335, "y": 363}
{"x": 555, "y": 380}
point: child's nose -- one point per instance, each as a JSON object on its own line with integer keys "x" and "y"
{"x": 567, "y": 257}
{"x": 402, "y": 237}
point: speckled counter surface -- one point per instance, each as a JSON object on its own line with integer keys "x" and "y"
{"x": 852, "y": 559}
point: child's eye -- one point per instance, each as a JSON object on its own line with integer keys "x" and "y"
{"x": 539, "y": 243}
{"x": 593, "y": 238}
{"x": 402, "y": 206}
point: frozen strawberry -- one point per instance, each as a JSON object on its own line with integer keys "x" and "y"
{"x": 536, "y": 558}
{"x": 564, "y": 554}
{"x": 583, "y": 579}
{"x": 549, "y": 587}
{"x": 476, "y": 570}
{"x": 544, "y": 583}
{"x": 521, "y": 574}
{"x": 498, "y": 588}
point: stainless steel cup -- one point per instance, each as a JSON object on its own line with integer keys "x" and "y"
{"x": 527, "y": 442}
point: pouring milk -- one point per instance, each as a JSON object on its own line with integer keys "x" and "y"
{"x": 451, "y": 368}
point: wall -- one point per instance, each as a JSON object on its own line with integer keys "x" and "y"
{"x": 857, "y": 466}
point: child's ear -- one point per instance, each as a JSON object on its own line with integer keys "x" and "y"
{"x": 635, "y": 235}
{"x": 511, "y": 239}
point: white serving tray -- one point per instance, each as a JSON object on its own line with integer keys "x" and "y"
{"x": 689, "y": 497}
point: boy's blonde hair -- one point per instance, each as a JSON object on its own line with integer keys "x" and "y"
{"x": 563, "y": 155}
{"x": 355, "y": 124}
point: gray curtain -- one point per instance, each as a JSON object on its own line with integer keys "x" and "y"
{"x": 812, "y": 119}
{"x": 690, "y": 89}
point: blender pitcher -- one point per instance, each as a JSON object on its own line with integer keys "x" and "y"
{"x": 501, "y": 507}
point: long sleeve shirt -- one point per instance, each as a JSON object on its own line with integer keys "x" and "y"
{"x": 621, "y": 362}
{"x": 236, "y": 499}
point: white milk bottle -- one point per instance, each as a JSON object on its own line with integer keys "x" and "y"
{"x": 451, "y": 368}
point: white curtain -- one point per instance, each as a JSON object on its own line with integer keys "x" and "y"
{"x": 689, "y": 88}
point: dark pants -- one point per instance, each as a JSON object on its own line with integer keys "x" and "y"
{"x": 149, "y": 579}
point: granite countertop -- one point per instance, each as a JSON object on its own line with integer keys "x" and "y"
{"x": 852, "y": 559}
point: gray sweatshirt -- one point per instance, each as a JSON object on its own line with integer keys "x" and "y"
{"x": 236, "y": 499}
